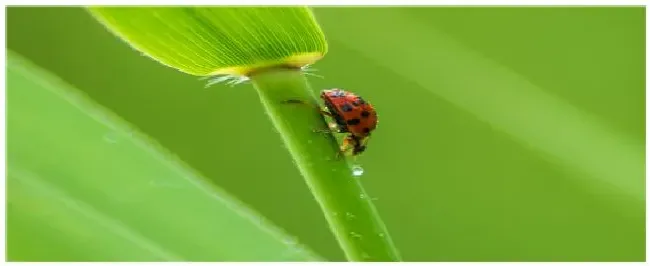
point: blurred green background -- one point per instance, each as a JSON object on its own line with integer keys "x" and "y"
{"x": 451, "y": 184}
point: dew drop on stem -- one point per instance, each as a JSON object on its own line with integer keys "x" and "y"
{"x": 357, "y": 171}
{"x": 355, "y": 235}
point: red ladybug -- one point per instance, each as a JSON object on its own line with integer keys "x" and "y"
{"x": 352, "y": 114}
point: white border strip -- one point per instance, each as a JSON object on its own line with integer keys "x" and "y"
{"x": 331, "y": 2}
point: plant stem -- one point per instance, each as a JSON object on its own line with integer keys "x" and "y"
{"x": 348, "y": 210}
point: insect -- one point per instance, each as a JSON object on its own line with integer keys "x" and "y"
{"x": 351, "y": 114}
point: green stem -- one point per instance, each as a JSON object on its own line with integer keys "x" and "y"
{"x": 348, "y": 210}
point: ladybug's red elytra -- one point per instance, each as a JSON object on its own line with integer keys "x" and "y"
{"x": 352, "y": 114}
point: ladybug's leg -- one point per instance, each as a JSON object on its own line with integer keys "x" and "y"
{"x": 323, "y": 130}
{"x": 333, "y": 128}
{"x": 296, "y": 101}
{"x": 345, "y": 148}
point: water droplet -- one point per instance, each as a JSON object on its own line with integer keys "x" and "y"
{"x": 349, "y": 216}
{"x": 362, "y": 196}
{"x": 335, "y": 213}
{"x": 357, "y": 170}
{"x": 355, "y": 235}
{"x": 110, "y": 137}
{"x": 381, "y": 234}
{"x": 291, "y": 241}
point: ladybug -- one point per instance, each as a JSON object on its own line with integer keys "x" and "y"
{"x": 351, "y": 114}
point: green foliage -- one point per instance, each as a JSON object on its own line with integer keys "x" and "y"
{"x": 240, "y": 41}
{"x": 218, "y": 40}
{"x": 458, "y": 168}
{"x": 85, "y": 186}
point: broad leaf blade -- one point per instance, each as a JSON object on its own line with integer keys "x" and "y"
{"x": 82, "y": 185}
{"x": 218, "y": 40}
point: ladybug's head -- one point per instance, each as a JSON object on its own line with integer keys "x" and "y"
{"x": 332, "y": 93}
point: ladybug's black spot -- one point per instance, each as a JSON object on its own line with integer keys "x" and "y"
{"x": 337, "y": 117}
{"x": 354, "y": 121}
{"x": 360, "y": 101}
{"x": 346, "y": 108}
{"x": 359, "y": 149}
{"x": 365, "y": 114}
{"x": 366, "y": 130}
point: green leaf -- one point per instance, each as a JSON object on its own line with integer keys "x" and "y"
{"x": 83, "y": 185}
{"x": 211, "y": 41}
